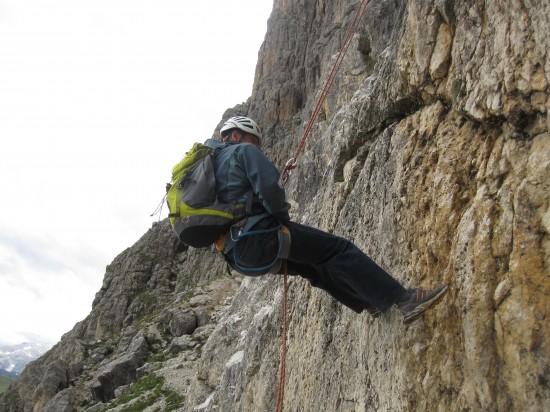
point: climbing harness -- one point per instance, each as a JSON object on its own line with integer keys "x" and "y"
{"x": 292, "y": 163}
{"x": 237, "y": 233}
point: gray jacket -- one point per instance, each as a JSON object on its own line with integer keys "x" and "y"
{"x": 240, "y": 167}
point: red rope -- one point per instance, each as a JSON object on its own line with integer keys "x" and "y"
{"x": 353, "y": 28}
{"x": 281, "y": 393}
{"x": 292, "y": 164}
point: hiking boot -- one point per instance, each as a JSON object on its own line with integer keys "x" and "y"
{"x": 416, "y": 301}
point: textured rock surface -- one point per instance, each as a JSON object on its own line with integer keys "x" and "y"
{"x": 156, "y": 309}
{"x": 432, "y": 153}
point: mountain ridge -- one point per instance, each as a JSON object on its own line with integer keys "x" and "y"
{"x": 14, "y": 357}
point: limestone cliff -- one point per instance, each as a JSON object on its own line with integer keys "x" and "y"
{"x": 432, "y": 153}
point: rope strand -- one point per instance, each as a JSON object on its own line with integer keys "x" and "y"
{"x": 291, "y": 164}
{"x": 328, "y": 84}
{"x": 282, "y": 370}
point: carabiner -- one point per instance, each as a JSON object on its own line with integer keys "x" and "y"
{"x": 287, "y": 171}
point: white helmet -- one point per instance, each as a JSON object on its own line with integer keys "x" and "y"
{"x": 242, "y": 123}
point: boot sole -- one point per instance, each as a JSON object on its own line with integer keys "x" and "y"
{"x": 420, "y": 309}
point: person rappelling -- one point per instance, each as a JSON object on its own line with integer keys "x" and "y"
{"x": 258, "y": 235}
{"x": 227, "y": 192}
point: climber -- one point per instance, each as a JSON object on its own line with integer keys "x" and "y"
{"x": 256, "y": 245}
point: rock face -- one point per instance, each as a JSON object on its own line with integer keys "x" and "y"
{"x": 157, "y": 306}
{"x": 431, "y": 153}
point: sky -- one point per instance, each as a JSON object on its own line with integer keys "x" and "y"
{"x": 98, "y": 100}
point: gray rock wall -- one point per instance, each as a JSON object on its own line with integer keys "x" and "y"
{"x": 432, "y": 154}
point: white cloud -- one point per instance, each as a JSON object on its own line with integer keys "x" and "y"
{"x": 46, "y": 287}
{"x": 98, "y": 99}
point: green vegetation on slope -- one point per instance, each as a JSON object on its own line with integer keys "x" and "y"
{"x": 145, "y": 392}
{"x": 4, "y": 383}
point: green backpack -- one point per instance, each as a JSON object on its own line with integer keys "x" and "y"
{"x": 196, "y": 215}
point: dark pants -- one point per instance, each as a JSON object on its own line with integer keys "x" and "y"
{"x": 337, "y": 266}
